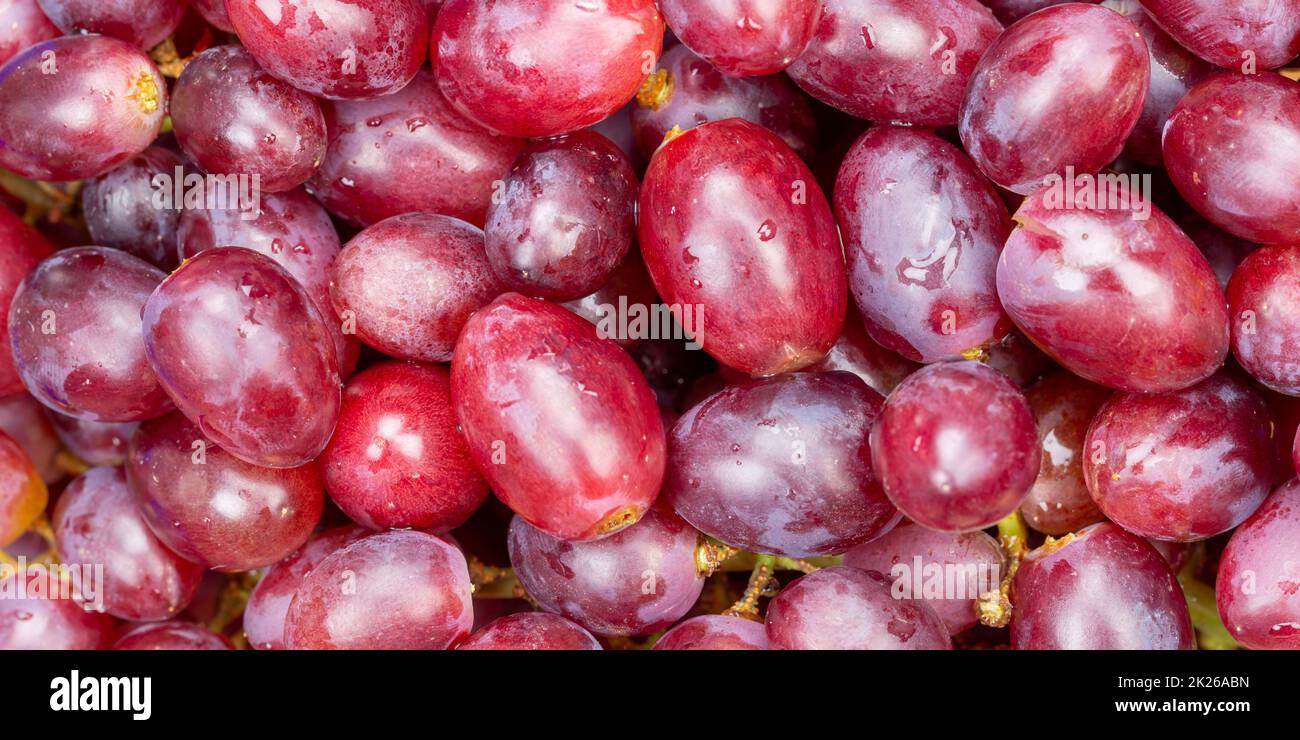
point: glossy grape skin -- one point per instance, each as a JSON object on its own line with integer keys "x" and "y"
{"x": 1182, "y": 466}
{"x": 94, "y": 442}
{"x": 409, "y": 151}
{"x": 956, "y": 446}
{"x": 1035, "y": 106}
{"x": 407, "y": 284}
{"x": 695, "y": 92}
{"x": 895, "y": 60}
{"x": 1019, "y": 359}
{"x": 28, "y": 423}
{"x": 1264, "y": 301}
{"x": 634, "y": 582}
{"x": 560, "y": 421}
{"x": 509, "y": 65}
{"x": 1227, "y": 125}
{"x": 1010, "y": 11}
{"x": 96, "y": 522}
{"x": 105, "y": 105}
{"x": 22, "y": 492}
{"x": 1100, "y": 589}
{"x": 1123, "y": 302}
{"x": 631, "y": 284}
{"x": 365, "y": 49}
{"x": 908, "y": 553}
{"x": 144, "y": 24}
{"x": 173, "y": 635}
{"x": 781, "y": 466}
{"x": 74, "y": 328}
{"x": 397, "y": 458}
{"x": 844, "y": 608}
{"x": 715, "y": 632}
{"x": 214, "y": 12}
{"x": 1230, "y": 34}
{"x": 1256, "y": 591}
{"x": 120, "y": 210}
{"x": 744, "y": 37}
{"x": 40, "y": 623}
{"x": 25, "y": 25}
{"x": 731, "y": 220}
{"x": 531, "y": 631}
{"x": 242, "y": 350}
{"x": 213, "y": 508}
{"x": 564, "y": 219}
{"x": 21, "y": 249}
{"x": 233, "y": 118}
{"x": 922, "y": 230}
{"x": 1064, "y": 405}
{"x": 268, "y": 604}
{"x": 858, "y": 353}
{"x": 409, "y": 591}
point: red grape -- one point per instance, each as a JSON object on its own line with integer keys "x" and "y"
{"x": 174, "y": 635}
{"x": 956, "y": 446}
{"x": 1222, "y": 250}
{"x": 1256, "y": 592}
{"x": 714, "y": 632}
{"x": 397, "y": 458}
{"x": 242, "y": 350}
{"x": 409, "y": 151}
{"x": 78, "y": 106}
{"x": 1100, "y": 589}
{"x": 214, "y": 12}
{"x": 74, "y": 327}
{"x": 781, "y": 466}
{"x": 1064, "y": 405}
{"x": 1010, "y": 11}
{"x": 560, "y": 421}
{"x": 121, "y": 212}
{"x": 1230, "y": 34}
{"x": 144, "y": 23}
{"x": 28, "y": 423}
{"x": 895, "y": 60}
{"x": 95, "y": 442}
{"x": 845, "y": 608}
{"x": 734, "y": 225}
{"x": 744, "y": 37}
{"x": 1061, "y": 88}
{"x": 213, "y": 508}
{"x": 22, "y": 492}
{"x": 21, "y": 249}
{"x": 1264, "y": 302}
{"x": 510, "y": 65}
{"x": 268, "y": 604}
{"x": 97, "y": 522}
{"x": 531, "y": 631}
{"x": 922, "y": 230}
{"x": 235, "y": 119}
{"x": 634, "y": 582}
{"x": 857, "y": 353}
{"x": 361, "y": 49}
{"x": 38, "y": 622}
{"x": 400, "y": 590}
{"x": 25, "y": 25}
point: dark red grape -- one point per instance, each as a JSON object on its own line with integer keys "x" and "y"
{"x": 242, "y": 350}
{"x": 1060, "y": 89}
{"x": 1222, "y": 250}
{"x": 510, "y": 65}
{"x": 715, "y": 632}
{"x": 922, "y": 230}
{"x": 361, "y": 49}
{"x": 213, "y": 508}
{"x": 268, "y": 604}
{"x": 22, "y": 492}
{"x": 1256, "y": 592}
{"x": 95, "y": 442}
{"x": 560, "y": 421}
{"x": 845, "y": 608}
{"x": 409, "y": 151}
{"x": 1230, "y": 124}
{"x": 37, "y": 622}
{"x": 1019, "y": 359}
{"x": 634, "y": 582}
{"x": 857, "y": 353}
{"x": 1117, "y": 299}
{"x": 630, "y": 285}
{"x": 397, "y": 458}
{"x": 781, "y": 466}
{"x": 21, "y": 249}
{"x": 1064, "y": 405}
{"x": 1264, "y": 302}
{"x": 235, "y": 119}
{"x": 400, "y": 590}
{"x": 144, "y": 23}
{"x": 121, "y": 212}
{"x": 97, "y": 523}
{"x": 1010, "y": 11}
{"x": 78, "y": 106}
{"x": 1232, "y": 34}
{"x": 946, "y": 571}
{"x": 1177, "y": 554}
{"x": 744, "y": 37}
{"x": 406, "y": 285}
{"x": 531, "y": 631}
{"x": 214, "y": 12}
{"x": 173, "y": 635}
{"x": 28, "y": 423}
{"x": 25, "y": 25}
{"x": 1100, "y": 589}
{"x": 1182, "y": 466}
{"x": 734, "y": 227}
{"x": 895, "y": 60}
{"x": 74, "y": 328}
{"x": 956, "y": 446}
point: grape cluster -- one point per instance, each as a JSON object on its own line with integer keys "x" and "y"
{"x": 684, "y": 324}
